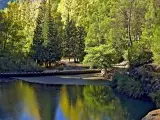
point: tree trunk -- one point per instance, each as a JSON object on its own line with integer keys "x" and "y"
{"x": 69, "y": 58}
{"x": 75, "y": 60}
{"x": 46, "y": 64}
{"x": 129, "y": 32}
{"x": 129, "y": 24}
{"x": 4, "y": 45}
{"x": 50, "y": 64}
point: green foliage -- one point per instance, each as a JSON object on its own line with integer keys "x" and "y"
{"x": 80, "y": 43}
{"x": 102, "y": 56}
{"x": 25, "y": 14}
{"x": 101, "y": 30}
{"x": 46, "y": 47}
{"x": 99, "y": 96}
{"x": 103, "y": 100}
{"x": 53, "y": 49}
{"x": 138, "y": 55}
{"x": 11, "y": 35}
{"x": 155, "y": 45}
{"x": 156, "y": 97}
{"x": 73, "y": 41}
{"x": 128, "y": 86}
{"x": 17, "y": 63}
{"x": 69, "y": 41}
{"x": 126, "y": 26}
{"x": 37, "y": 46}
{"x": 15, "y": 39}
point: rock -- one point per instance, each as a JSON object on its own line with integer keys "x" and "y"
{"x": 107, "y": 73}
{"x": 150, "y": 67}
{"x": 153, "y": 115}
{"x": 103, "y": 72}
{"x": 157, "y": 69}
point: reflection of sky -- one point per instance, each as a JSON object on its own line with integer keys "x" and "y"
{"x": 26, "y": 116}
{"x": 23, "y": 114}
{"x": 59, "y": 114}
{"x": 4, "y": 115}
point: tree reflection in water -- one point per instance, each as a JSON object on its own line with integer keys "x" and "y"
{"x": 19, "y": 100}
{"x": 101, "y": 103}
{"x": 94, "y": 103}
{"x": 29, "y": 102}
{"x": 22, "y": 101}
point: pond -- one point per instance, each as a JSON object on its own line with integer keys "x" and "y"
{"x": 23, "y": 101}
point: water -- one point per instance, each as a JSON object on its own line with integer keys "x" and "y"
{"x": 23, "y": 101}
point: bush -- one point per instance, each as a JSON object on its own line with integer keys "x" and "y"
{"x": 137, "y": 55}
{"x": 156, "y": 97}
{"x": 128, "y": 86}
{"x": 60, "y": 68}
{"x": 10, "y": 63}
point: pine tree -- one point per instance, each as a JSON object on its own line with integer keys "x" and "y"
{"x": 53, "y": 50}
{"x": 37, "y": 48}
{"x": 80, "y": 43}
{"x": 69, "y": 40}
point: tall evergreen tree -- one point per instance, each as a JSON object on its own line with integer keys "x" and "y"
{"x": 37, "y": 47}
{"x": 80, "y": 44}
{"x": 69, "y": 40}
{"x": 53, "y": 49}
{"x": 47, "y": 38}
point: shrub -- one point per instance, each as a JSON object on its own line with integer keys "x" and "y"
{"x": 10, "y": 63}
{"x": 138, "y": 55}
{"x": 126, "y": 85}
{"x": 156, "y": 97}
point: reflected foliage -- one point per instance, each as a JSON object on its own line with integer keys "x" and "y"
{"x": 96, "y": 102}
{"x": 105, "y": 103}
{"x": 22, "y": 101}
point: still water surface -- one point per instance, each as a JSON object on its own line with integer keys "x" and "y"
{"x": 23, "y": 101}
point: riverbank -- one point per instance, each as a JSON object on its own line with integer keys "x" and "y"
{"x": 64, "y": 80}
{"x": 138, "y": 82}
{"x": 53, "y": 73}
{"x": 141, "y": 82}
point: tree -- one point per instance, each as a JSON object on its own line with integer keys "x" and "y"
{"x": 11, "y": 35}
{"x": 80, "y": 44}
{"x": 156, "y": 41}
{"x": 47, "y": 40}
{"x": 12, "y": 54}
{"x": 25, "y": 13}
{"x": 102, "y": 56}
{"x": 155, "y": 45}
{"x": 69, "y": 40}
{"x": 38, "y": 51}
{"x": 53, "y": 50}
{"x": 99, "y": 49}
